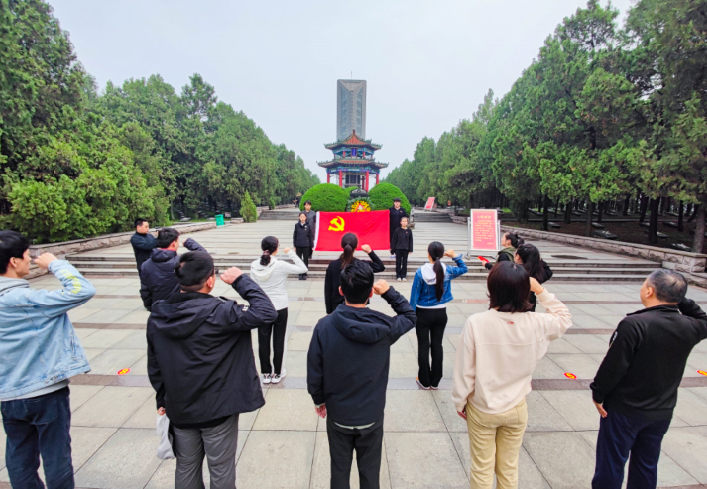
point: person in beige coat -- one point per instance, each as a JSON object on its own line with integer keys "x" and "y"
{"x": 495, "y": 359}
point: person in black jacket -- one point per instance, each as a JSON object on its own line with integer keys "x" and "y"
{"x": 529, "y": 256}
{"x": 402, "y": 246}
{"x": 200, "y": 363}
{"x": 143, "y": 242}
{"x": 347, "y": 372}
{"x": 157, "y": 279}
{"x": 636, "y": 387}
{"x": 303, "y": 241}
{"x": 509, "y": 243}
{"x": 396, "y": 214}
{"x": 349, "y": 243}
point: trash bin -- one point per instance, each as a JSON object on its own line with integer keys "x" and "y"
{"x": 219, "y": 220}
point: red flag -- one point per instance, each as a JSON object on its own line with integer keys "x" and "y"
{"x": 371, "y": 228}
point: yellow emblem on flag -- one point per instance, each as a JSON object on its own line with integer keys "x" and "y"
{"x": 337, "y": 224}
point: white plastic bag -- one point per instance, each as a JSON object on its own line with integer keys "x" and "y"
{"x": 164, "y": 451}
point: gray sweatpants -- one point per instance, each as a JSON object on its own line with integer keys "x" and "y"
{"x": 218, "y": 443}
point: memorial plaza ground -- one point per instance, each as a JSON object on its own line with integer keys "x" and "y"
{"x": 284, "y": 444}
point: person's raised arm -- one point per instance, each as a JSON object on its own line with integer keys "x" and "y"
{"x": 192, "y": 245}
{"x": 76, "y": 290}
{"x": 406, "y": 318}
{"x": 464, "y": 374}
{"x": 259, "y": 311}
{"x": 143, "y": 243}
{"x": 461, "y": 267}
{"x": 376, "y": 263}
{"x": 297, "y": 267}
{"x": 556, "y": 320}
{"x": 688, "y": 308}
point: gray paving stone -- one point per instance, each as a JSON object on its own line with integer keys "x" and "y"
{"x": 286, "y": 410}
{"x": 299, "y": 341}
{"x": 321, "y": 466}
{"x": 293, "y": 452}
{"x": 542, "y": 416}
{"x": 412, "y": 411}
{"x": 565, "y": 460}
{"x": 403, "y": 365}
{"x": 575, "y": 407}
{"x": 547, "y": 369}
{"x": 451, "y": 419}
{"x": 136, "y": 339}
{"x": 127, "y": 460}
{"x": 112, "y": 360}
{"x": 79, "y": 394}
{"x": 561, "y": 345}
{"x": 145, "y": 417}
{"x": 107, "y": 315}
{"x": 587, "y": 343}
{"x": 691, "y": 408}
{"x": 105, "y": 338}
{"x": 422, "y": 460}
{"x": 581, "y": 365}
{"x": 111, "y": 407}
{"x": 687, "y": 447}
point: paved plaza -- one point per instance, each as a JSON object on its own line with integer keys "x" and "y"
{"x": 284, "y": 444}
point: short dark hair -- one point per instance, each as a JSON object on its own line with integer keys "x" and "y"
{"x": 396, "y": 199}
{"x": 357, "y": 282}
{"x": 509, "y": 287}
{"x": 307, "y": 202}
{"x": 515, "y": 239}
{"x": 12, "y": 245}
{"x": 166, "y": 236}
{"x": 193, "y": 270}
{"x": 139, "y": 221}
{"x": 669, "y": 286}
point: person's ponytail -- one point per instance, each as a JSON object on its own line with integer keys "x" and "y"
{"x": 349, "y": 243}
{"x": 515, "y": 239}
{"x": 436, "y": 252}
{"x": 269, "y": 245}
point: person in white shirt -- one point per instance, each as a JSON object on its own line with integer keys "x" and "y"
{"x": 495, "y": 359}
{"x": 271, "y": 275}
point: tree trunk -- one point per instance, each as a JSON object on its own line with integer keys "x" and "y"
{"x": 644, "y": 208}
{"x": 699, "y": 240}
{"x": 653, "y": 229}
{"x": 557, "y": 204}
{"x": 627, "y": 203}
{"x": 568, "y": 212}
{"x": 601, "y": 211}
{"x": 590, "y": 216}
{"x": 680, "y": 216}
{"x": 546, "y": 204}
{"x": 695, "y": 210}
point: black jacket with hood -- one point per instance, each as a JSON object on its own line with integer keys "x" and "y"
{"x": 349, "y": 359}
{"x": 547, "y": 275}
{"x": 200, "y": 354}
{"x": 332, "y": 280}
{"x": 644, "y": 366}
{"x": 303, "y": 236}
{"x": 157, "y": 278}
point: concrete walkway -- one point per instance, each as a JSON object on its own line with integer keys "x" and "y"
{"x": 284, "y": 444}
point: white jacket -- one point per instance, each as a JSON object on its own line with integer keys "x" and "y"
{"x": 273, "y": 277}
{"x": 498, "y": 352}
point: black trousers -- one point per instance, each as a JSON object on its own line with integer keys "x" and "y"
{"x": 401, "y": 263}
{"x": 430, "y": 333}
{"x": 304, "y": 252}
{"x": 278, "y": 342}
{"x": 368, "y": 444}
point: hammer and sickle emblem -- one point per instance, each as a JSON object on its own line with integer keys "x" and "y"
{"x": 337, "y": 224}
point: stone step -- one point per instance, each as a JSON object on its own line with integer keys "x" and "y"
{"x": 421, "y": 216}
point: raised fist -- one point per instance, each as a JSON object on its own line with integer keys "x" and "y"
{"x": 230, "y": 275}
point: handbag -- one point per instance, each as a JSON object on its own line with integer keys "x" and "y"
{"x": 164, "y": 451}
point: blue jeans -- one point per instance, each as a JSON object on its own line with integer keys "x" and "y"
{"x": 35, "y": 426}
{"x": 619, "y": 435}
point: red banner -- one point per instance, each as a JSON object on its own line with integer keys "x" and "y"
{"x": 371, "y": 228}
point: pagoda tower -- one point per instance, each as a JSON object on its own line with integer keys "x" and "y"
{"x": 353, "y": 162}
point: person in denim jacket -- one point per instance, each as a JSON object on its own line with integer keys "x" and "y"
{"x": 431, "y": 290}
{"x": 40, "y": 352}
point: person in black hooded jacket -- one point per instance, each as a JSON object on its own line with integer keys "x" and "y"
{"x": 157, "y": 279}
{"x": 529, "y": 256}
{"x": 347, "y": 372}
{"x": 200, "y": 363}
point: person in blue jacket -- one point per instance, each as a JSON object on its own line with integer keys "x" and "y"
{"x": 39, "y": 352}
{"x": 431, "y": 290}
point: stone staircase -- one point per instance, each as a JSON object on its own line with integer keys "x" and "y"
{"x": 427, "y": 216}
{"x": 286, "y": 214}
{"x": 564, "y": 270}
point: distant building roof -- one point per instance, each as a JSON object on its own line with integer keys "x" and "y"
{"x": 362, "y": 162}
{"x": 353, "y": 140}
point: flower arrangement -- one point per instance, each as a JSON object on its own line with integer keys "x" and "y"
{"x": 360, "y": 205}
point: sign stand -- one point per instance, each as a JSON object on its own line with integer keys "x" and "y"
{"x": 483, "y": 231}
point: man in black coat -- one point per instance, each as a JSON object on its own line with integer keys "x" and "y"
{"x": 200, "y": 363}
{"x": 157, "y": 278}
{"x": 396, "y": 214}
{"x": 347, "y": 372}
{"x": 636, "y": 387}
{"x": 143, "y": 242}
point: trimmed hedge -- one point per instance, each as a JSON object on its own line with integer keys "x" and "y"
{"x": 249, "y": 212}
{"x": 382, "y": 197}
{"x": 327, "y": 197}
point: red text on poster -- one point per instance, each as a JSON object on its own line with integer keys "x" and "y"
{"x": 484, "y": 229}
{"x": 371, "y": 228}
{"x": 430, "y": 203}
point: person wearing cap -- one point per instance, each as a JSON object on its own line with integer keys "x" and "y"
{"x": 396, "y": 214}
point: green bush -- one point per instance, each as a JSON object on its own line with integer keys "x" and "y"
{"x": 273, "y": 203}
{"x": 350, "y": 189}
{"x": 248, "y": 211}
{"x": 382, "y": 197}
{"x": 326, "y": 197}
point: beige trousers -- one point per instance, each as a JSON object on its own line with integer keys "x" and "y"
{"x": 495, "y": 441}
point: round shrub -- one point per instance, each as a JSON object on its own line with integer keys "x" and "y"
{"x": 382, "y": 196}
{"x": 326, "y": 197}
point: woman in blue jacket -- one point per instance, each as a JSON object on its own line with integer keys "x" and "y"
{"x": 431, "y": 290}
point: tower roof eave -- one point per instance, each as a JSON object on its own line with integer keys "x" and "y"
{"x": 353, "y": 140}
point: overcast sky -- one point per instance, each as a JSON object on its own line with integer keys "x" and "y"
{"x": 428, "y": 63}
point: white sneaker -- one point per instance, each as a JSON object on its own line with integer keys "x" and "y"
{"x": 277, "y": 378}
{"x": 405, "y": 280}
{"x": 399, "y": 279}
{"x": 267, "y": 378}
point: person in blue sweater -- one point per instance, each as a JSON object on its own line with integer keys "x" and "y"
{"x": 431, "y": 290}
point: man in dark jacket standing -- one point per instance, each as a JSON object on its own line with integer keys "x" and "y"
{"x": 396, "y": 214}
{"x": 347, "y": 372}
{"x": 143, "y": 242}
{"x": 303, "y": 241}
{"x": 636, "y": 387}
{"x": 157, "y": 279}
{"x": 200, "y": 362}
